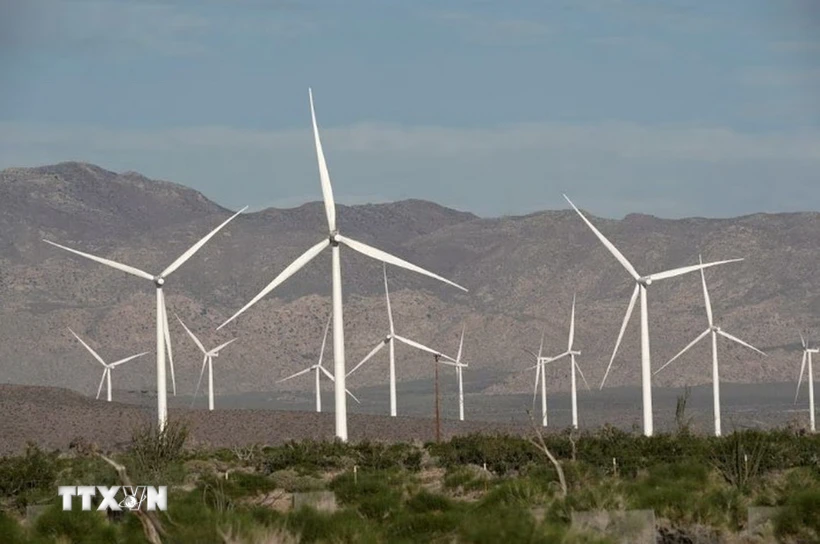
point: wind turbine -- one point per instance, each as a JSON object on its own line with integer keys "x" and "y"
{"x": 459, "y": 367}
{"x": 163, "y": 335}
{"x": 108, "y": 367}
{"x": 319, "y": 369}
{"x": 540, "y": 373}
{"x": 807, "y": 352}
{"x": 390, "y": 340}
{"x": 641, "y": 283}
{"x": 573, "y": 365}
{"x": 334, "y": 240}
{"x": 207, "y": 360}
{"x": 715, "y": 331}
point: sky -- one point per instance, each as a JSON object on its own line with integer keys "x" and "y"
{"x": 672, "y": 108}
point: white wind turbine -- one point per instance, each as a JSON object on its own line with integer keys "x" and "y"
{"x": 807, "y": 352}
{"x": 641, "y": 283}
{"x": 540, "y": 373}
{"x": 108, "y": 367}
{"x": 715, "y": 331}
{"x": 390, "y": 340}
{"x": 334, "y": 240}
{"x": 319, "y": 370}
{"x": 208, "y": 359}
{"x": 573, "y": 365}
{"x": 163, "y": 334}
{"x": 459, "y": 368}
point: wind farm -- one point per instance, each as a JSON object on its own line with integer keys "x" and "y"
{"x": 394, "y": 256}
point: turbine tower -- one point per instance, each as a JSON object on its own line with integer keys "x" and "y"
{"x": 108, "y": 367}
{"x": 334, "y": 240}
{"x": 319, "y": 369}
{"x": 390, "y": 340}
{"x": 715, "y": 331}
{"x": 641, "y": 284}
{"x": 807, "y": 353}
{"x": 208, "y": 359}
{"x": 163, "y": 335}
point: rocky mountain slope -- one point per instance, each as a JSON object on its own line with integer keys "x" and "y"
{"x": 521, "y": 272}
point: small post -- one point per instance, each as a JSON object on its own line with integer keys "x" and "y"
{"x": 614, "y": 466}
{"x": 356, "y": 474}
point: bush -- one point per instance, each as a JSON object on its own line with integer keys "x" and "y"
{"x": 154, "y": 451}
{"x": 29, "y": 477}
{"x": 800, "y": 517}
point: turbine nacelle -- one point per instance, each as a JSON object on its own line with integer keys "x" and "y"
{"x": 334, "y": 238}
{"x": 159, "y": 281}
{"x": 646, "y": 281}
{"x": 714, "y": 328}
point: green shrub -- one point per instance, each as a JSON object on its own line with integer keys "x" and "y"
{"x": 155, "y": 453}
{"x": 799, "y": 517}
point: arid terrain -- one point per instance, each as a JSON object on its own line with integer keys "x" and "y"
{"x": 521, "y": 273}
{"x": 53, "y": 417}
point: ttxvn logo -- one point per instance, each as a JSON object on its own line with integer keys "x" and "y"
{"x": 116, "y": 498}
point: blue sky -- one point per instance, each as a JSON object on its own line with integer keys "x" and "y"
{"x": 673, "y": 108}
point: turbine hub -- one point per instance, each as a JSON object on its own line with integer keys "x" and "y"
{"x": 715, "y": 328}
{"x": 159, "y": 281}
{"x": 334, "y": 238}
{"x": 646, "y": 282}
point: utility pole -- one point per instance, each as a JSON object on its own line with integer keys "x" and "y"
{"x": 438, "y": 415}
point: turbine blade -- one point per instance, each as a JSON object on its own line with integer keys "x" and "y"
{"x": 367, "y": 357}
{"x": 572, "y": 325}
{"x": 802, "y": 340}
{"x": 99, "y": 389}
{"x": 581, "y": 372}
{"x": 686, "y": 269}
{"x": 305, "y": 371}
{"x": 197, "y": 246}
{"x": 123, "y": 361}
{"x": 623, "y": 329}
{"x": 535, "y": 384}
{"x": 327, "y": 373}
{"x": 199, "y": 382}
{"x": 461, "y": 344}
{"x": 422, "y": 347}
{"x": 706, "y": 298}
{"x": 193, "y": 336}
{"x": 324, "y": 338}
{"x": 219, "y": 348}
{"x": 383, "y": 256}
{"x": 167, "y": 335}
{"x": 557, "y": 357}
{"x": 352, "y": 396}
{"x": 94, "y": 353}
{"x": 541, "y": 346}
{"x": 387, "y": 296}
{"x": 689, "y": 345}
{"x": 324, "y": 175}
{"x": 113, "y": 264}
{"x": 800, "y": 379}
{"x": 290, "y": 270}
{"x": 609, "y": 245}
{"x": 741, "y": 342}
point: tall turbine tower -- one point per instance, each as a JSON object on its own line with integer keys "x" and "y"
{"x": 334, "y": 240}
{"x": 807, "y": 353}
{"x": 714, "y": 330}
{"x": 641, "y": 284}
{"x": 163, "y": 334}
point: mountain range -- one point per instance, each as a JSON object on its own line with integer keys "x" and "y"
{"x": 521, "y": 273}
